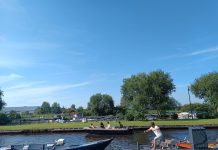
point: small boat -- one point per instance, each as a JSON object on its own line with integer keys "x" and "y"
{"x": 114, "y": 131}
{"x": 184, "y": 145}
{"x": 95, "y": 145}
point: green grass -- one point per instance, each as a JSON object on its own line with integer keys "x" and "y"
{"x": 113, "y": 123}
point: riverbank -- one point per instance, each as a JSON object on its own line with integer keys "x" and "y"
{"x": 82, "y": 130}
{"x": 78, "y": 126}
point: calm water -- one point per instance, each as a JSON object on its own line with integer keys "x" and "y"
{"x": 124, "y": 141}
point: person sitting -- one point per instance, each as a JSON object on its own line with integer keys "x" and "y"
{"x": 102, "y": 125}
{"x": 91, "y": 126}
{"x": 108, "y": 125}
{"x": 121, "y": 125}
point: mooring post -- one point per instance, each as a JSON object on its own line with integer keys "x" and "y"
{"x": 138, "y": 147}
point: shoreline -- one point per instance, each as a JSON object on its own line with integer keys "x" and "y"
{"x": 82, "y": 130}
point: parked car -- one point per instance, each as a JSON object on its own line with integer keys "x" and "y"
{"x": 60, "y": 121}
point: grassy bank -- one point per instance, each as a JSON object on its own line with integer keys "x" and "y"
{"x": 113, "y": 123}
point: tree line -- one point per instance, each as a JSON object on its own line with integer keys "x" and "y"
{"x": 141, "y": 94}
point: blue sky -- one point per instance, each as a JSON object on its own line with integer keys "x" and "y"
{"x": 66, "y": 51}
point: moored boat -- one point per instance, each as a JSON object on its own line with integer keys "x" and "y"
{"x": 95, "y": 145}
{"x": 115, "y": 131}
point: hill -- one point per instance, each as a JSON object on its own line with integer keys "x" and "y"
{"x": 22, "y": 109}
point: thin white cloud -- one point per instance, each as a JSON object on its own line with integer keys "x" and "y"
{"x": 205, "y": 51}
{"x": 25, "y": 85}
{"x": 10, "y": 77}
{"x": 35, "y": 92}
{"x": 195, "y": 53}
{"x": 40, "y": 91}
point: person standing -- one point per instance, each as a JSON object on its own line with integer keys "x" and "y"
{"x": 157, "y": 132}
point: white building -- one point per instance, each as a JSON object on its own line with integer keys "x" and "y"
{"x": 187, "y": 115}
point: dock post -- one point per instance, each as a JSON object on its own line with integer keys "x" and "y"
{"x": 138, "y": 147}
{"x": 198, "y": 138}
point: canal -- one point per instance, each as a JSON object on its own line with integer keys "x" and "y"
{"x": 124, "y": 141}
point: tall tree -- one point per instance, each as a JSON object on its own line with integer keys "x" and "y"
{"x": 55, "y": 108}
{"x": 73, "y": 106}
{"x": 2, "y": 103}
{"x": 206, "y": 87}
{"x": 14, "y": 115}
{"x": 171, "y": 104}
{"x": 80, "y": 109}
{"x": 45, "y": 108}
{"x": 146, "y": 91}
{"x": 101, "y": 104}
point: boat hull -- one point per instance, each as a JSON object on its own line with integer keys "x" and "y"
{"x": 189, "y": 145}
{"x": 97, "y": 145}
{"x": 98, "y": 131}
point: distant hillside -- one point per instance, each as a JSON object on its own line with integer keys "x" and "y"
{"x": 31, "y": 109}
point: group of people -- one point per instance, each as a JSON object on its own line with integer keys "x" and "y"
{"x": 107, "y": 127}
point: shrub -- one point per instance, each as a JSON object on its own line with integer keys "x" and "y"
{"x": 4, "y": 119}
{"x": 175, "y": 116}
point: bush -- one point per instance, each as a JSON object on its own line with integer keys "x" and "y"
{"x": 206, "y": 116}
{"x": 129, "y": 117}
{"x": 175, "y": 116}
{"x": 120, "y": 116}
{"x": 4, "y": 119}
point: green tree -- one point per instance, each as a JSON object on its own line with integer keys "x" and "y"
{"x": 101, "y": 104}
{"x": 2, "y": 103}
{"x": 71, "y": 112}
{"x": 206, "y": 87}
{"x": 171, "y": 104}
{"x": 73, "y": 106}
{"x": 45, "y": 108}
{"x": 196, "y": 107}
{"x": 14, "y": 115}
{"x": 38, "y": 110}
{"x": 4, "y": 119}
{"x": 64, "y": 110}
{"x": 120, "y": 112}
{"x": 146, "y": 91}
{"x": 80, "y": 109}
{"x": 55, "y": 108}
